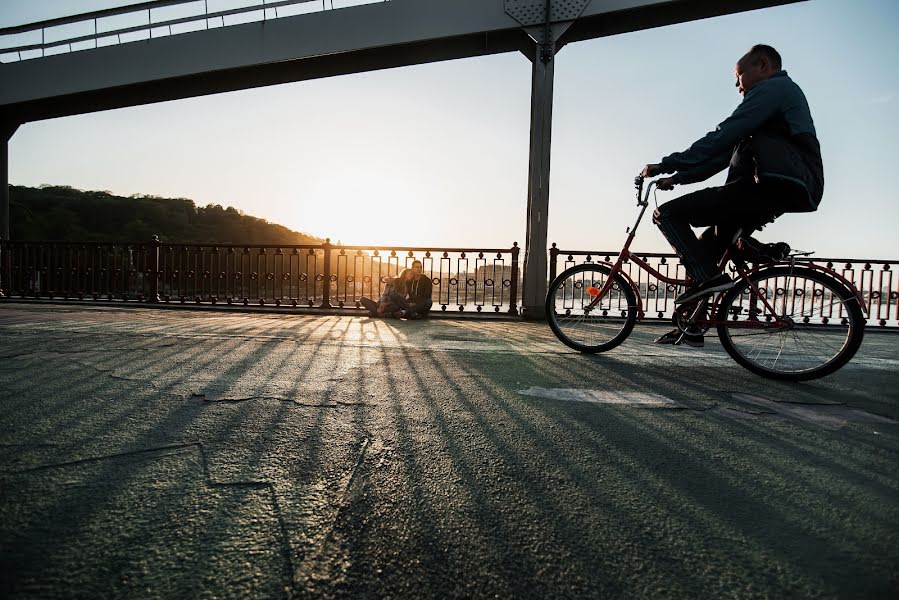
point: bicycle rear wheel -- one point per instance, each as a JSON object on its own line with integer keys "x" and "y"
{"x": 584, "y": 327}
{"x": 823, "y": 324}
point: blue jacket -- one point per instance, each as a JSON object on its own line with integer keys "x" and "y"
{"x": 770, "y": 135}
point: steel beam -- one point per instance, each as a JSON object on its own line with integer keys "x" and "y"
{"x": 329, "y": 65}
{"x": 333, "y": 42}
{"x": 236, "y": 51}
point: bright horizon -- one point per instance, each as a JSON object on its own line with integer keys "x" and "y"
{"x": 436, "y": 155}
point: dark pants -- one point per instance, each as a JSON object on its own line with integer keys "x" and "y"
{"x": 723, "y": 210}
{"x": 421, "y": 307}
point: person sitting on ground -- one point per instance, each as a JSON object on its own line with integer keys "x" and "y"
{"x": 391, "y": 303}
{"x": 406, "y": 296}
{"x": 417, "y": 301}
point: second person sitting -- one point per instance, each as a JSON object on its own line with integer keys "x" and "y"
{"x": 417, "y": 300}
{"x": 408, "y": 295}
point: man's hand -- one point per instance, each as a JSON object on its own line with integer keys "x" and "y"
{"x": 652, "y": 170}
{"x": 666, "y": 183}
{"x": 663, "y": 184}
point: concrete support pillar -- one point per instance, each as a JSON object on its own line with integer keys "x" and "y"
{"x": 535, "y": 252}
{"x": 6, "y": 131}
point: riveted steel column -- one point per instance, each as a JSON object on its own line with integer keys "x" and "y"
{"x": 535, "y": 259}
{"x": 6, "y": 131}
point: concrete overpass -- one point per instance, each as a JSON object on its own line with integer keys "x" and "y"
{"x": 323, "y": 43}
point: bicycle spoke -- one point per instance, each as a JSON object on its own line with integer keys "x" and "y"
{"x": 766, "y": 343}
{"x": 823, "y": 345}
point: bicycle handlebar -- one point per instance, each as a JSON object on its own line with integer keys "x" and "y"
{"x": 638, "y": 183}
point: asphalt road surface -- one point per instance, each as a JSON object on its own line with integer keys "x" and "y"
{"x": 149, "y": 453}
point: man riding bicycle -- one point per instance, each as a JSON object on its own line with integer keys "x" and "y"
{"x": 774, "y": 159}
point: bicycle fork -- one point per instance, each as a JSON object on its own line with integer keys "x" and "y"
{"x": 599, "y": 293}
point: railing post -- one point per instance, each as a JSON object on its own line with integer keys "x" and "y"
{"x": 513, "y": 285}
{"x": 326, "y": 276}
{"x": 553, "y": 255}
{"x": 154, "y": 270}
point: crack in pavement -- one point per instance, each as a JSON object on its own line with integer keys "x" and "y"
{"x": 25, "y": 444}
{"x": 110, "y": 372}
{"x": 173, "y": 449}
{"x": 831, "y": 416}
{"x": 825, "y": 414}
{"x": 315, "y": 562}
{"x": 227, "y": 400}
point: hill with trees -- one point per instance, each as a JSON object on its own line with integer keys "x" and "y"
{"x": 66, "y": 214}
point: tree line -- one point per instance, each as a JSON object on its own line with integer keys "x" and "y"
{"x": 67, "y": 214}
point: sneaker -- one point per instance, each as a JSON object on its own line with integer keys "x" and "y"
{"x": 370, "y": 305}
{"x": 399, "y": 314}
{"x": 672, "y": 337}
{"x": 715, "y": 284}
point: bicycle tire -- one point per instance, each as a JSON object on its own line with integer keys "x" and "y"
{"x": 826, "y": 324}
{"x": 595, "y": 329}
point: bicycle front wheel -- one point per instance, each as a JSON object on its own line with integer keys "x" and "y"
{"x": 819, "y": 324}
{"x": 582, "y": 323}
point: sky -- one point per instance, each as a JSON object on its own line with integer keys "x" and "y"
{"x": 437, "y": 155}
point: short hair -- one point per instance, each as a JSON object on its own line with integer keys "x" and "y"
{"x": 417, "y": 261}
{"x": 760, "y": 51}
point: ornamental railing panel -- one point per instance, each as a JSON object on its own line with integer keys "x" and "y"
{"x": 462, "y": 278}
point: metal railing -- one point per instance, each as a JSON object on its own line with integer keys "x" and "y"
{"x": 136, "y": 22}
{"x": 328, "y": 276}
{"x": 324, "y": 276}
{"x": 877, "y": 280}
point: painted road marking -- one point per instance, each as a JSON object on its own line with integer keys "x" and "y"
{"x": 600, "y": 396}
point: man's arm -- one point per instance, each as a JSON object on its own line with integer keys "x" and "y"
{"x": 757, "y": 107}
{"x": 700, "y": 173}
{"x": 703, "y": 171}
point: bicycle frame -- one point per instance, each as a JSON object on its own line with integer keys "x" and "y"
{"x": 740, "y": 267}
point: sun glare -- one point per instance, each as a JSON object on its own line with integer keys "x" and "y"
{"x": 365, "y": 210}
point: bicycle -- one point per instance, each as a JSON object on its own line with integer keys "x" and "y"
{"x": 783, "y": 319}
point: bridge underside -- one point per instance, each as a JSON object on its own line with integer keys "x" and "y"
{"x": 248, "y": 77}
{"x": 407, "y": 32}
{"x": 352, "y": 40}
